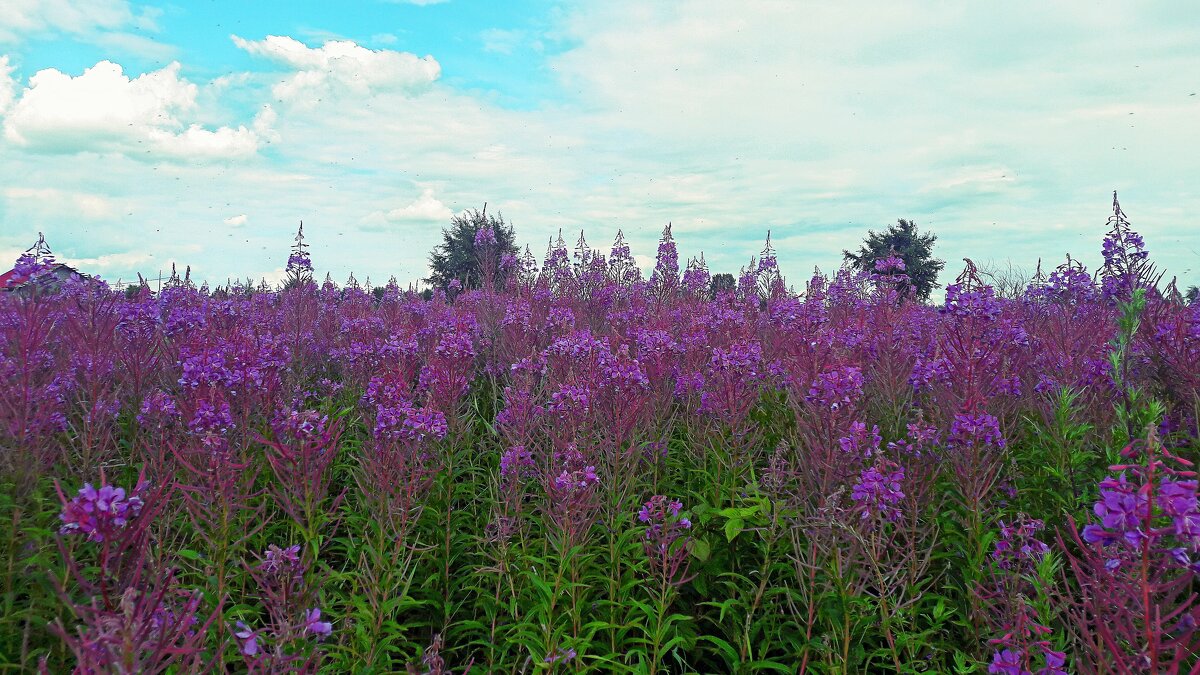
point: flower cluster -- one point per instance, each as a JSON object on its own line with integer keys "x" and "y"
{"x": 1126, "y": 514}
{"x": 666, "y": 266}
{"x": 281, "y": 561}
{"x": 878, "y": 491}
{"x": 101, "y": 513}
{"x": 861, "y": 442}
{"x": 966, "y": 302}
{"x": 517, "y": 463}
{"x": 299, "y": 263}
{"x": 410, "y": 423}
{"x": 666, "y": 538}
{"x": 837, "y": 388}
{"x": 1018, "y": 548}
{"x": 300, "y": 425}
{"x": 485, "y": 236}
{"x": 29, "y": 267}
{"x": 1024, "y": 645}
{"x": 975, "y": 430}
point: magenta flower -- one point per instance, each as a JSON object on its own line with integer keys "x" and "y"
{"x": 247, "y": 638}
{"x": 278, "y": 560}
{"x": 666, "y": 538}
{"x": 485, "y": 236}
{"x": 1017, "y": 548}
{"x": 560, "y": 655}
{"x": 1007, "y": 662}
{"x": 314, "y": 625}
{"x": 878, "y": 492}
{"x": 100, "y": 513}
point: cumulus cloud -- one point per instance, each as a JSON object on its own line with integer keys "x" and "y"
{"x": 109, "y": 261}
{"x": 341, "y": 66}
{"x": 236, "y": 221}
{"x": 426, "y": 208}
{"x": 104, "y": 111}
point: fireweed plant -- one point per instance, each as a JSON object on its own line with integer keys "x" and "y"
{"x": 572, "y": 467}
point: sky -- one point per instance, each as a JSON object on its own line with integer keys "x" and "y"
{"x": 201, "y": 133}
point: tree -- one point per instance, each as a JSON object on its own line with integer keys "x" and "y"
{"x": 911, "y": 246}
{"x": 722, "y": 283}
{"x": 458, "y": 257}
{"x": 1192, "y": 295}
{"x": 1007, "y": 280}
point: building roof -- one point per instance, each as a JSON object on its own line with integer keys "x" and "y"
{"x": 60, "y": 270}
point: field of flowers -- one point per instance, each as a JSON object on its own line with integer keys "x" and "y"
{"x": 574, "y": 469}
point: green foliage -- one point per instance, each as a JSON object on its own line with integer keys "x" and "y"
{"x": 772, "y": 582}
{"x": 457, "y": 256}
{"x": 721, "y": 283}
{"x": 904, "y": 241}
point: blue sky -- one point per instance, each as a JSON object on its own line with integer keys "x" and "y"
{"x": 136, "y": 135}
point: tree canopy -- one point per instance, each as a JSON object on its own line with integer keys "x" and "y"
{"x": 913, "y": 247}
{"x": 466, "y": 251}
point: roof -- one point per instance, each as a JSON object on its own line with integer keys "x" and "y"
{"x": 57, "y": 270}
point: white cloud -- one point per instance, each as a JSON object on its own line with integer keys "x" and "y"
{"x": 136, "y": 45}
{"x": 722, "y": 122}
{"x": 22, "y": 18}
{"x": 426, "y": 208}
{"x": 8, "y": 85}
{"x": 108, "y": 261}
{"x": 341, "y": 66}
{"x": 501, "y": 41}
{"x": 976, "y": 179}
{"x": 53, "y": 201}
{"x": 236, "y": 221}
{"x": 105, "y": 111}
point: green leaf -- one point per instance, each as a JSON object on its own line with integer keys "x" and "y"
{"x": 700, "y": 549}
{"x": 733, "y": 527}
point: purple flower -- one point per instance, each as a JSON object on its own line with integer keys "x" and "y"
{"x": 277, "y": 560}
{"x": 1008, "y": 662}
{"x": 892, "y": 263}
{"x": 1120, "y": 508}
{"x": 158, "y": 408}
{"x": 485, "y": 236}
{"x": 314, "y": 625}
{"x": 570, "y": 481}
{"x": 1017, "y": 547}
{"x": 666, "y": 537}
{"x": 861, "y": 443}
{"x": 100, "y": 513}
{"x": 517, "y": 463}
{"x": 975, "y": 431}
{"x": 300, "y": 425}
{"x": 1055, "y": 662}
{"x": 666, "y": 265}
{"x": 299, "y": 262}
{"x": 560, "y": 655}
{"x": 837, "y": 388}
{"x": 878, "y": 492}
{"x": 248, "y": 639}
